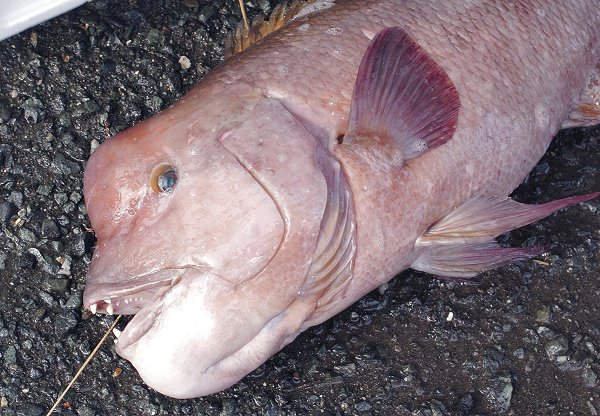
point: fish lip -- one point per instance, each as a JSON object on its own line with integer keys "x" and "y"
{"x": 149, "y": 306}
{"x": 146, "y": 317}
{"x": 130, "y": 297}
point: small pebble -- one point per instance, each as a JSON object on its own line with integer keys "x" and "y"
{"x": 65, "y": 323}
{"x": 185, "y": 62}
{"x": 543, "y": 314}
{"x": 556, "y": 347}
{"x": 7, "y": 211}
{"x": 345, "y": 370}
{"x": 27, "y": 236}
{"x": 10, "y": 355}
{"x": 74, "y": 301}
{"x": 57, "y": 285}
{"x": 27, "y": 261}
{"x": 500, "y": 392}
{"x": 2, "y": 260}
{"x": 50, "y": 229}
{"x": 590, "y": 378}
{"x": 363, "y": 406}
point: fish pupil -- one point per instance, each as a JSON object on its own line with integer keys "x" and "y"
{"x": 167, "y": 180}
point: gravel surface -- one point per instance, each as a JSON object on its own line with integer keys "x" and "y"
{"x": 524, "y": 340}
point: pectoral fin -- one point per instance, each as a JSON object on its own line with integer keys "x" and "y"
{"x": 461, "y": 244}
{"x": 402, "y": 98}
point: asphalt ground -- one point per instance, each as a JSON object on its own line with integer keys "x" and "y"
{"x": 523, "y": 340}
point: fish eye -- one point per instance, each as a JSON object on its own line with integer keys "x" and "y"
{"x": 163, "y": 178}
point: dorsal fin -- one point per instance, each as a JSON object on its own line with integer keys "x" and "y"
{"x": 243, "y": 37}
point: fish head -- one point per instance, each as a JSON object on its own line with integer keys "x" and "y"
{"x": 204, "y": 237}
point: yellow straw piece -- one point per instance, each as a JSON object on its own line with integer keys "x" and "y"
{"x": 83, "y": 366}
{"x": 244, "y": 16}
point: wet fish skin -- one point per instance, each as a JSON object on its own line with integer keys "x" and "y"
{"x": 508, "y": 116}
{"x": 226, "y": 260}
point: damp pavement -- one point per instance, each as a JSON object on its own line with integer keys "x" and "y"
{"x": 523, "y": 340}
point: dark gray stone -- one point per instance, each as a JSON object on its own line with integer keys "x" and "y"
{"x": 50, "y": 229}
{"x": 7, "y": 211}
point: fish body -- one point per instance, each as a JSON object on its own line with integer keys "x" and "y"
{"x": 298, "y": 176}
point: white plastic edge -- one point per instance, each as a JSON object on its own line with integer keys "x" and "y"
{"x": 18, "y": 15}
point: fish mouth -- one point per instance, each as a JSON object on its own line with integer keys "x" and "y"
{"x": 133, "y": 296}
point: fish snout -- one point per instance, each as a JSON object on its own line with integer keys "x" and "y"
{"x": 112, "y": 185}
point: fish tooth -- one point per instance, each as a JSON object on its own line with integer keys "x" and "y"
{"x": 116, "y": 332}
{"x": 107, "y": 301}
{"x": 109, "y": 309}
{"x": 93, "y": 308}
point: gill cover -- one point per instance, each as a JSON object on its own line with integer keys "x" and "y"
{"x": 282, "y": 156}
{"x": 314, "y": 263}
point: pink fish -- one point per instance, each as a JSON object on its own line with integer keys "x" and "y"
{"x": 361, "y": 139}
